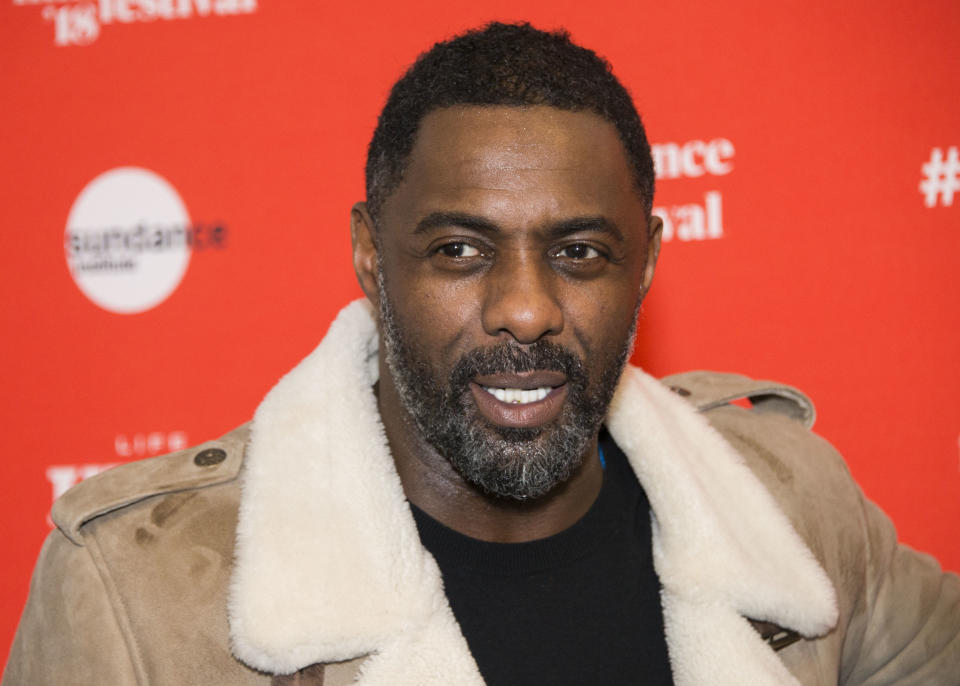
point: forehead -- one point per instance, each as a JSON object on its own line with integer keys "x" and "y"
{"x": 521, "y": 161}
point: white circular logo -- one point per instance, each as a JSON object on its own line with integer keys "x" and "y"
{"x": 128, "y": 240}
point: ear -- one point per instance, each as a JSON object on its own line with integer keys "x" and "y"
{"x": 364, "y": 238}
{"x": 654, "y": 232}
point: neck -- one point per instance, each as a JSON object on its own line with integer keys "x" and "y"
{"x": 431, "y": 483}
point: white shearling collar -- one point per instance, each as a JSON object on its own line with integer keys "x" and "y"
{"x": 329, "y": 565}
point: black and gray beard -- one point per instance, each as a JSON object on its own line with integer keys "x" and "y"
{"x": 519, "y": 463}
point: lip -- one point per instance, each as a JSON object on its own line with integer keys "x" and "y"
{"x": 517, "y": 416}
{"x": 526, "y": 380}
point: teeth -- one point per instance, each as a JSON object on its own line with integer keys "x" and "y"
{"x": 518, "y": 396}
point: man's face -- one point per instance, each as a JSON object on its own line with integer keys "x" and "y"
{"x": 511, "y": 264}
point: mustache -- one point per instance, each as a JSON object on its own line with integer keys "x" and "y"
{"x": 508, "y": 358}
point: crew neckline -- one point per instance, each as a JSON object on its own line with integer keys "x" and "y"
{"x": 456, "y": 551}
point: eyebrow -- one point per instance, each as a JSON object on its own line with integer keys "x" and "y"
{"x": 439, "y": 220}
{"x": 587, "y": 224}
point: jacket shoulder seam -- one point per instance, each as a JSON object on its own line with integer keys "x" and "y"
{"x": 206, "y": 465}
{"x": 709, "y": 390}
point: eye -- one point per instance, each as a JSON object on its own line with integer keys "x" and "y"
{"x": 579, "y": 251}
{"x": 458, "y": 250}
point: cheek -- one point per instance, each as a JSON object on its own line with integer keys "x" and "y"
{"x": 602, "y": 310}
{"x": 438, "y": 316}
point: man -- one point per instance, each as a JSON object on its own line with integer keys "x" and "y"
{"x": 464, "y": 484}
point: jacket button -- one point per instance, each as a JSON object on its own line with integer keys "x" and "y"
{"x": 210, "y": 456}
{"x": 682, "y": 392}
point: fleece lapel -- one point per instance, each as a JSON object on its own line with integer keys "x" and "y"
{"x": 329, "y": 564}
{"x": 722, "y": 548}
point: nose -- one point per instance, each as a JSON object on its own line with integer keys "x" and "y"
{"x": 520, "y": 300}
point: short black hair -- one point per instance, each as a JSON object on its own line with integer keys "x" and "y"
{"x": 502, "y": 64}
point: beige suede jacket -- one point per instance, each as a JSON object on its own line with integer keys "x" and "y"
{"x": 285, "y": 552}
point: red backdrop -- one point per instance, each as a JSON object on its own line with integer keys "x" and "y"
{"x": 808, "y": 167}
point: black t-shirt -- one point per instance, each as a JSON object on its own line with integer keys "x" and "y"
{"x": 579, "y": 607}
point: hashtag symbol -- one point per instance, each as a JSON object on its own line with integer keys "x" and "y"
{"x": 941, "y": 177}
